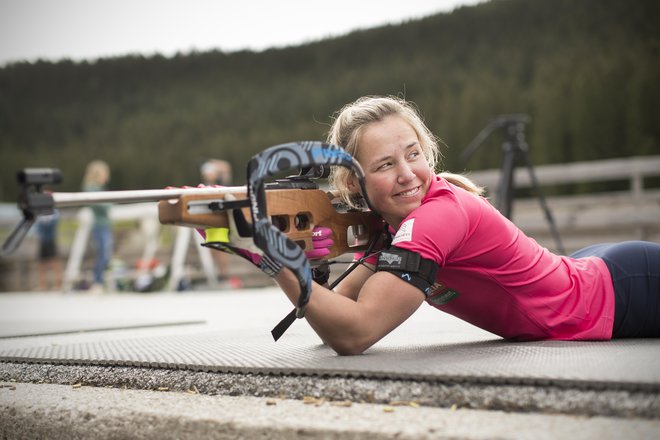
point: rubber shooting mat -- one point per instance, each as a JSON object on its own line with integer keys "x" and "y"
{"x": 429, "y": 346}
{"x": 629, "y": 364}
{"x": 19, "y": 329}
{"x": 57, "y": 314}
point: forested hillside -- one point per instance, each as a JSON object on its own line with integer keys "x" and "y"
{"x": 587, "y": 71}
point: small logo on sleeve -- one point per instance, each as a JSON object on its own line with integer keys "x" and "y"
{"x": 441, "y": 295}
{"x": 390, "y": 258}
{"x": 405, "y": 232}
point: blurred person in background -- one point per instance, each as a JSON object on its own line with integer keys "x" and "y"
{"x": 216, "y": 172}
{"x": 49, "y": 263}
{"x": 97, "y": 176}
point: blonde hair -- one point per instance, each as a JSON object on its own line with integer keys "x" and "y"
{"x": 97, "y": 173}
{"x": 348, "y": 125}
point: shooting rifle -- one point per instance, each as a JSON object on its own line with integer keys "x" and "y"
{"x": 283, "y": 212}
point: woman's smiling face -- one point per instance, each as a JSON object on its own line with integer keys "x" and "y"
{"x": 397, "y": 175}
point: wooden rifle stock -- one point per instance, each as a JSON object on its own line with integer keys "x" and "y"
{"x": 294, "y": 211}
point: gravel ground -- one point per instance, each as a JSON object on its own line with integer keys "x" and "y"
{"x": 550, "y": 399}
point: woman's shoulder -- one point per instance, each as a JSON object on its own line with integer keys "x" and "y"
{"x": 443, "y": 198}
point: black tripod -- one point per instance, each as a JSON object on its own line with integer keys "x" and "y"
{"x": 514, "y": 148}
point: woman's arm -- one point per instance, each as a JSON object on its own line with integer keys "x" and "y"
{"x": 351, "y": 285}
{"x": 349, "y": 325}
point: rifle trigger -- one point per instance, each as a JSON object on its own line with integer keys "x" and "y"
{"x": 224, "y": 205}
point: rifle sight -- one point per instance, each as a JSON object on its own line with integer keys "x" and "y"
{"x": 39, "y": 176}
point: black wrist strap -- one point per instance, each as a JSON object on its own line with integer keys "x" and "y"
{"x": 320, "y": 275}
{"x": 283, "y": 325}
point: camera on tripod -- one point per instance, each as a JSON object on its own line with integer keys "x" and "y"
{"x": 514, "y": 147}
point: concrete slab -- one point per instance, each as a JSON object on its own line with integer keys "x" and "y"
{"x": 73, "y": 412}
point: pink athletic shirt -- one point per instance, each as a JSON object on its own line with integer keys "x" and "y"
{"x": 499, "y": 279}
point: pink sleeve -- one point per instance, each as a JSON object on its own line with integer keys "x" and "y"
{"x": 436, "y": 230}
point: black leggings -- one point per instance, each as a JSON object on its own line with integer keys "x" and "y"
{"x": 635, "y": 270}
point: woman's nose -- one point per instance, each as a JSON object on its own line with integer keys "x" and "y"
{"x": 405, "y": 173}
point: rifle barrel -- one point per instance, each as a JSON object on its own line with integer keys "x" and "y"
{"x": 79, "y": 199}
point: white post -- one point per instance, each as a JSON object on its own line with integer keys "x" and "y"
{"x": 178, "y": 257}
{"x": 637, "y": 189}
{"x": 151, "y": 227}
{"x": 72, "y": 271}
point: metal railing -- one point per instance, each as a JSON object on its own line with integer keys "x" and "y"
{"x": 587, "y": 218}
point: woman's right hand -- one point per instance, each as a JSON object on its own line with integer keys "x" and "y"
{"x": 322, "y": 243}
